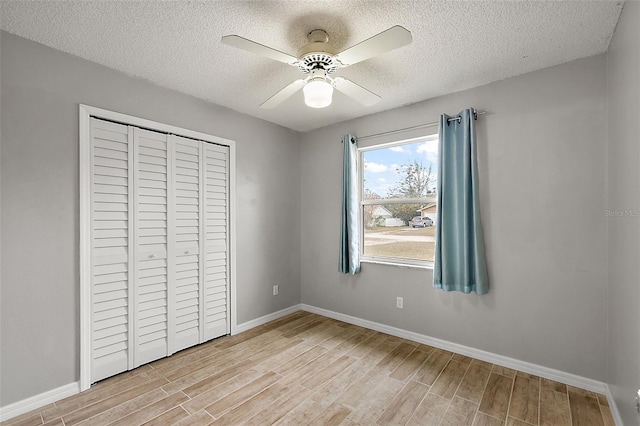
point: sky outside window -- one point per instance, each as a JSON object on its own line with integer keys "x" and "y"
{"x": 383, "y": 167}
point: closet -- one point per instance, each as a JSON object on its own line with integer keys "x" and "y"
{"x": 159, "y": 245}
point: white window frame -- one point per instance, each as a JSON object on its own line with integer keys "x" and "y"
{"x": 85, "y": 114}
{"x": 388, "y": 260}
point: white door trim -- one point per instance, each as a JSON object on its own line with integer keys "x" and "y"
{"x": 85, "y": 113}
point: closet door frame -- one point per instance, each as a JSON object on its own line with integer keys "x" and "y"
{"x": 86, "y": 112}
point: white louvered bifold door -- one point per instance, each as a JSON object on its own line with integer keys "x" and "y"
{"x": 111, "y": 271}
{"x": 216, "y": 240}
{"x": 159, "y": 245}
{"x": 186, "y": 225}
{"x": 151, "y": 240}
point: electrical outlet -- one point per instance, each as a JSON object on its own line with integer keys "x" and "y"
{"x": 275, "y": 290}
{"x": 399, "y": 302}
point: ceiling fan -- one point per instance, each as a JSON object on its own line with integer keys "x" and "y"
{"x": 319, "y": 59}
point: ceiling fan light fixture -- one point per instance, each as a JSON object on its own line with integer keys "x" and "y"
{"x": 319, "y": 59}
{"x": 317, "y": 93}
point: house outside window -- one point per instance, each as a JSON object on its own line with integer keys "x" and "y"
{"x": 398, "y": 201}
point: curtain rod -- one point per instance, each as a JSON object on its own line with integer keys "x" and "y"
{"x": 419, "y": 126}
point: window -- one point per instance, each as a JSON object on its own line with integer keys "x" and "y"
{"x": 398, "y": 201}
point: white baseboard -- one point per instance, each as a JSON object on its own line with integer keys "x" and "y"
{"x": 17, "y": 408}
{"x": 547, "y": 373}
{"x": 613, "y": 407}
{"x": 265, "y": 319}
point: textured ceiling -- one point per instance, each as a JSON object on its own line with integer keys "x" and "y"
{"x": 456, "y": 45}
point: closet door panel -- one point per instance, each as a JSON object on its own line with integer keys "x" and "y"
{"x": 187, "y": 290}
{"x": 151, "y": 242}
{"x": 110, "y": 263}
{"x": 216, "y": 242}
{"x": 159, "y": 245}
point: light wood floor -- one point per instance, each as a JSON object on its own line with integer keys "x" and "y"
{"x": 307, "y": 369}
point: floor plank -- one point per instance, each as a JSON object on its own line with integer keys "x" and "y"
{"x": 331, "y": 416}
{"x": 126, "y": 408}
{"x": 512, "y": 421}
{"x": 244, "y": 393}
{"x": 411, "y": 364}
{"x": 99, "y": 392}
{"x": 399, "y": 411}
{"x": 212, "y": 395}
{"x": 358, "y": 392}
{"x": 153, "y": 410}
{"x": 367, "y": 346}
{"x": 299, "y": 361}
{"x": 275, "y": 412}
{"x": 395, "y": 357}
{"x": 253, "y": 405}
{"x": 330, "y": 371}
{"x": 200, "y": 381}
{"x": 585, "y": 410}
{"x": 201, "y": 418}
{"x": 302, "y": 414}
{"x": 447, "y": 383}
{"x": 429, "y": 412}
{"x": 460, "y": 413}
{"x": 485, "y": 420}
{"x": 331, "y": 390}
{"x": 376, "y": 401}
{"x": 94, "y": 409}
{"x": 495, "y": 400}
{"x": 474, "y": 382}
{"x": 168, "y": 418}
{"x": 607, "y": 417}
{"x": 554, "y": 406}
{"x": 56, "y": 422}
{"x": 432, "y": 367}
{"x": 525, "y": 399}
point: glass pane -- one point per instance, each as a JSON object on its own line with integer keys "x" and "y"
{"x": 399, "y": 230}
{"x": 402, "y": 171}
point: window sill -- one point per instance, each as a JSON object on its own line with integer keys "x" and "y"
{"x": 427, "y": 266}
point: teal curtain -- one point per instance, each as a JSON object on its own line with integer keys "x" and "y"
{"x": 349, "y": 230}
{"x": 460, "y": 263}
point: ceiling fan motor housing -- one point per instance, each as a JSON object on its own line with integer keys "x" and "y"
{"x": 318, "y": 54}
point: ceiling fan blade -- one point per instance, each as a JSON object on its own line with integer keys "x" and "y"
{"x": 355, "y": 91}
{"x": 258, "y": 49}
{"x": 284, "y": 94}
{"x": 390, "y": 39}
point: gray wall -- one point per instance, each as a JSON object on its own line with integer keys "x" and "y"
{"x": 542, "y": 178}
{"x": 41, "y": 89}
{"x": 623, "y": 89}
